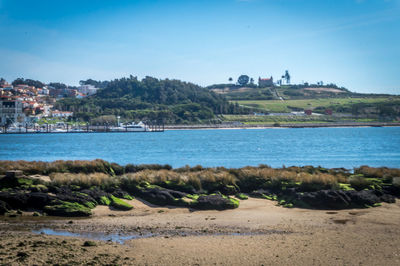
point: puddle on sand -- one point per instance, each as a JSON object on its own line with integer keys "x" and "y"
{"x": 117, "y": 238}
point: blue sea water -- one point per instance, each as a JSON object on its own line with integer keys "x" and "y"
{"x": 327, "y": 147}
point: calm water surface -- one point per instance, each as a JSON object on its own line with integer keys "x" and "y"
{"x": 328, "y": 147}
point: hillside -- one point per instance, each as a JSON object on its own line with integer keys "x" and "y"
{"x": 254, "y": 92}
{"x": 172, "y": 101}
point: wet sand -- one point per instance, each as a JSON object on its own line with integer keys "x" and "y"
{"x": 257, "y": 233}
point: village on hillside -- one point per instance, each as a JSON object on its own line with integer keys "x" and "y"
{"x": 23, "y": 104}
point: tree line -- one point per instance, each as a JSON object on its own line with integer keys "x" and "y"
{"x": 172, "y": 101}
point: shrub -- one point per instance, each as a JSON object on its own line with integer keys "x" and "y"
{"x": 45, "y": 168}
{"x": 118, "y": 169}
{"x": 359, "y": 182}
{"x": 382, "y": 172}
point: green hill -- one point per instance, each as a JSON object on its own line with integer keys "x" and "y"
{"x": 172, "y": 101}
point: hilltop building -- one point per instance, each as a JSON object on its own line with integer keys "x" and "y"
{"x": 87, "y": 89}
{"x": 265, "y": 82}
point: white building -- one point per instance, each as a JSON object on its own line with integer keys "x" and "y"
{"x": 87, "y": 89}
{"x": 46, "y": 110}
{"x": 44, "y": 91}
{"x": 11, "y": 111}
{"x": 61, "y": 114}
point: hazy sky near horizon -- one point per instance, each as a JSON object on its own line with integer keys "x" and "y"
{"x": 353, "y": 43}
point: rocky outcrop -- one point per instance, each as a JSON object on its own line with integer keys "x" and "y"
{"x": 67, "y": 209}
{"x": 338, "y": 199}
{"x": 22, "y": 200}
{"x": 162, "y": 196}
{"x": 215, "y": 202}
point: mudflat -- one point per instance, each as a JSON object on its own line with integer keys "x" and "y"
{"x": 256, "y": 233}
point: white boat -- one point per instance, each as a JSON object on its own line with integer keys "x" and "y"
{"x": 15, "y": 129}
{"x": 58, "y": 130}
{"x": 77, "y": 130}
{"x": 139, "y": 127}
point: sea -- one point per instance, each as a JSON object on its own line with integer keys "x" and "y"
{"x": 327, "y": 147}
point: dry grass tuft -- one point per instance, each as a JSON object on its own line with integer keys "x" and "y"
{"x": 382, "y": 172}
{"x": 83, "y": 180}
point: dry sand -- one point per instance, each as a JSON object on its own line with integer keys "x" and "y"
{"x": 257, "y": 233}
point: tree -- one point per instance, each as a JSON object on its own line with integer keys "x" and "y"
{"x": 243, "y": 80}
{"x": 58, "y": 85}
{"x": 29, "y": 82}
{"x": 230, "y": 79}
{"x": 287, "y": 77}
{"x": 251, "y": 81}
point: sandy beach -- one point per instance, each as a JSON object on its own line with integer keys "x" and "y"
{"x": 257, "y": 233}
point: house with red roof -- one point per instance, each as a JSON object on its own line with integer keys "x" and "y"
{"x": 265, "y": 82}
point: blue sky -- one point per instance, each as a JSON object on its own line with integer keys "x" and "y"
{"x": 353, "y": 43}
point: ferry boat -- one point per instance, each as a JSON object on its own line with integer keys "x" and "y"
{"x": 132, "y": 127}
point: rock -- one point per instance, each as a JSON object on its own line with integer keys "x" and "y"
{"x": 260, "y": 193}
{"x": 179, "y": 186}
{"x": 3, "y": 207}
{"x": 89, "y": 244}
{"x": 392, "y": 190}
{"x": 215, "y": 202}
{"x": 14, "y": 200}
{"x": 229, "y": 190}
{"x": 39, "y": 188}
{"x": 119, "y": 193}
{"x": 324, "y": 199}
{"x": 14, "y": 174}
{"x": 363, "y": 197}
{"x": 37, "y": 200}
{"x": 21, "y": 200}
{"x": 97, "y": 194}
{"x": 162, "y": 196}
{"x": 78, "y": 197}
{"x": 120, "y": 204}
{"x": 338, "y": 199}
{"x": 67, "y": 209}
{"x": 11, "y": 181}
{"x": 387, "y": 198}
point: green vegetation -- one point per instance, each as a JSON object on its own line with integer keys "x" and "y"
{"x": 337, "y": 104}
{"x": 74, "y": 194}
{"x": 120, "y": 204}
{"x": 172, "y": 101}
{"x": 65, "y": 208}
{"x": 241, "y": 196}
{"x": 127, "y": 197}
{"x": 104, "y": 200}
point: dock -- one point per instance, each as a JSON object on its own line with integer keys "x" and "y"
{"x": 105, "y": 128}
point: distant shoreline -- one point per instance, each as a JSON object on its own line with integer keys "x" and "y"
{"x": 289, "y": 125}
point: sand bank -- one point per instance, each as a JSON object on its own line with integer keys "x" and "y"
{"x": 256, "y": 233}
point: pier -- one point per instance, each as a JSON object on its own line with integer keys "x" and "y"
{"x": 148, "y": 126}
